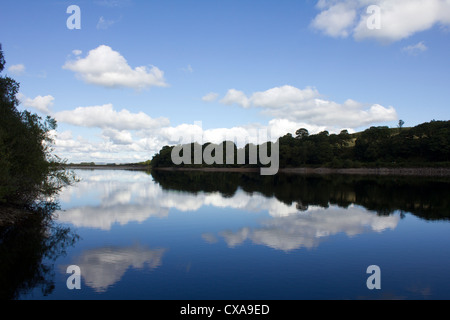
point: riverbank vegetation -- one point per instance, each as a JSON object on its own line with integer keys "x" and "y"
{"x": 29, "y": 172}
{"x": 425, "y": 145}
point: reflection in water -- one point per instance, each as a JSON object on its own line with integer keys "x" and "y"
{"x": 302, "y": 221}
{"x": 28, "y": 251}
{"x": 136, "y": 198}
{"x": 308, "y": 230}
{"x": 286, "y": 213}
{"x": 103, "y": 267}
{"x": 132, "y": 197}
{"x": 124, "y": 197}
{"x": 424, "y": 197}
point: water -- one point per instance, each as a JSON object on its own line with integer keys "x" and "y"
{"x": 242, "y": 236}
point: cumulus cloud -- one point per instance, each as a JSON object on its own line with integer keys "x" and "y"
{"x": 40, "y": 103}
{"x": 125, "y": 136}
{"x": 17, "y": 69}
{"x": 106, "y": 117}
{"x": 283, "y": 96}
{"x": 399, "y": 19}
{"x": 307, "y": 106}
{"x": 108, "y": 68}
{"x": 240, "y": 135}
{"x": 121, "y": 137}
{"x": 336, "y": 20}
{"x": 130, "y": 137}
{"x": 234, "y": 96}
{"x": 210, "y": 97}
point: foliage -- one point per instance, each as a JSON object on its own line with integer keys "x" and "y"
{"x": 427, "y": 144}
{"x": 28, "y": 169}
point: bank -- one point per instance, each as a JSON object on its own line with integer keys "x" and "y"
{"x": 439, "y": 172}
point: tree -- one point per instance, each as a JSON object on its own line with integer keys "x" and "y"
{"x": 401, "y": 123}
{"x": 28, "y": 169}
{"x": 301, "y": 133}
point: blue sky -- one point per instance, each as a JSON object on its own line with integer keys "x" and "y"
{"x": 139, "y": 75}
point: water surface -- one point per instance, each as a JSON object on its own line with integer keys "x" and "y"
{"x": 242, "y": 236}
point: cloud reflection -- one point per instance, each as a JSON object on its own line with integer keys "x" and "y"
{"x": 133, "y": 197}
{"x": 310, "y": 229}
{"x": 103, "y": 267}
{"x": 127, "y": 197}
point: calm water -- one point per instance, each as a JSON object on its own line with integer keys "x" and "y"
{"x": 234, "y": 236}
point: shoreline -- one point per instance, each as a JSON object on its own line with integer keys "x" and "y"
{"x": 383, "y": 171}
{"x": 441, "y": 172}
{"x": 108, "y": 167}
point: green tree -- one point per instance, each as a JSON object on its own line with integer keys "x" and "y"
{"x": 301, "y": 133}
{"x": 28, "y": 169}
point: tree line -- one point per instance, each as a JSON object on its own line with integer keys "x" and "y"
{"x": 427, "y": 144}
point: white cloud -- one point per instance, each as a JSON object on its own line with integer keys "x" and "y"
{"x": 210, "y": 97}
{"x": 17, "y": 69}
{"x": 283, "y": 96}
{"x": 415, "y": 49}
{"x": 103, "y": 267}
{"x": 108, "y": 68}
{"x": 77, "y": 52}
{"x": 122, "y": 137}
{"x": 234, "y": 96}
{"x": 400, "y": 19}
{"x": 184, "y": 133}
{"x": 125, "y": 136}
{"x": 336, "y": 20}
{"x": 106, "y": 117}
{"x": 307, "y": 106}
{"x": 39, "y": 103}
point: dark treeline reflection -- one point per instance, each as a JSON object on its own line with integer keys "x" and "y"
{"x": 425, "y": 197}
{"x": 28, "y": 250}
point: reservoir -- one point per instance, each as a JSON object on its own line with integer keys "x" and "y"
{"x": 241, "y": 236}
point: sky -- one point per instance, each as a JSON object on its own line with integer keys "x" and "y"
{"x": 123, "y": 78}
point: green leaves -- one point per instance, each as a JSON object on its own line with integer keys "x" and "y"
{"x": 28, "y": 170}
